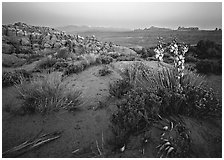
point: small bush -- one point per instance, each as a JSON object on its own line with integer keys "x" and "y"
{"x": 60, "y": 65}
{"x": 126, "y": 58}
{"x": 130, "y": 78}
{"x": 119, "y": 88}
{"x": 33, "y": 57}
{"x": 47, "y": 94}
{"x": 12, "y": 78}
{"x": 46, "y": 63}
{"x": 190, "y": 59}
{"x": 104, "y": 71}
{"x": 201, "y": 103}
{"x": 114, "y": 54}
{"x": 9, "y": 79}
{"x": 103, "y": 59}
{"x": 151, "y": 59}
{"x": 90, "y": 58}
{"x": 63, "y": 53}
{"x": 208, "y": 49}
{"x": 209, "y": 66}
{"x": 74, "y": 68}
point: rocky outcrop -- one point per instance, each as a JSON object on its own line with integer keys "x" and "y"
{"x": 21, "y": 38}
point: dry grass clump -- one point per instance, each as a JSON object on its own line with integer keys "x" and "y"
{"x": 46, "y": 94}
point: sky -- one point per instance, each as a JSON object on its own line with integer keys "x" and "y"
{"x": 205, "y": 15}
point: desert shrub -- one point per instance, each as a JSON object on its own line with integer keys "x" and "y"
{"x": 33, "y": 57}
{"x": 119, "y": 87}
{"x": 90, "y": 58}
{"x": 63, "y": 53}
{"x": 74, "y": 68}
{"x": 208, "y": 49}
{"x": 47, "y": 94}
{"x": 130, "y": 115}
{"x": 126, "y": 58}
{"x": 60, "y": 65}
{"x": 191, "y": 58}
{"x": 146, "y": 52}
{"x": 209, "y": 66}
{"x": 114, "y": 54}
{"x": 25, "y": 74}
{"x": 25, "y": 51}
{"x": 129, "y": 79}
{"x": 151, "y": 59}
{"x": 201, "y": 103}
{"x": 103, "y": 59}
{"x": 104, "y": 71}
{"x": 11, "y": 78}
{"x": 46, "y": 63}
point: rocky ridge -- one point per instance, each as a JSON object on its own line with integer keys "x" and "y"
{"x": 22, "y": 40}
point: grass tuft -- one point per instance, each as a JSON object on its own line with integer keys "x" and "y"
{"x": 47, "y": 94}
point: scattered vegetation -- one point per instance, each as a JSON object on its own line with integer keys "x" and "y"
{"x": 47, "y": 94}
{"x": 33, "y": 57}
{"x": 161, "y": 94}
{"x": 119, "y": 88}
{"x": 209, "y": 66}
{"x": 46, "y": 63}
{"x": 129, "y": 75}
{"x": 105, "y": 71}
{"x": 88, "y": 60}
{"x": 104, "y": 59}
{"x": 208, "y": 49}
{"x": 63, "y": 53}
{"x": 12, "y": 78}
{"x": 75, "y": 68}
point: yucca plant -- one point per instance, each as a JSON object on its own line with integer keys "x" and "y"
{"x": 47, "y": 94}
{"x": 166, "y": 79}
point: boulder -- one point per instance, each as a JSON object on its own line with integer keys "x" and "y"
{"x": 78, "y": 50}
{"x": 12, "y": 61}
{"x": 63, "y": 53}
{"x": 57, "y": 45}
{"x": 63, "y": 42}
{"x": 25, "y": 41}
{"x": 46, "y": 45}
{"x": 36, "y": 46}
{"x": 7, "y": 48}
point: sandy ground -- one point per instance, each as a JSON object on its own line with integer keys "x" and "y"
{"x": 86, "y": 125}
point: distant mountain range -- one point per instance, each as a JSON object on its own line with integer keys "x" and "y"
{"x": 78, "y": 29}
{"x": 153, "y": 28}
